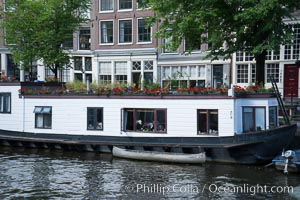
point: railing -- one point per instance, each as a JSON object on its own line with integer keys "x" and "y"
{"x": 279, "y": 99}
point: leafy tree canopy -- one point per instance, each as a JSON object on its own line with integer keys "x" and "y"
{"x": 38, "y": 29}
{"x": 254, "y": 26}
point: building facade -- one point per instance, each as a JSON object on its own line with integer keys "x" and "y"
{"x": 117, "y": 46}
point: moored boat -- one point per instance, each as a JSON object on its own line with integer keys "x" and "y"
{"x": 288, "y": 161}
{"x": 159, "y": 156}
{"x": 228, "y": 128}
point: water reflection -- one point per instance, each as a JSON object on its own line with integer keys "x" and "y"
{"x": 40, "y": 174}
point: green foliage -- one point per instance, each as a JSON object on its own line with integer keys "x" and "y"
{"x": 227, "y": 26}
{"x": 38, "y": 29}
{"x": 76, "y": 86}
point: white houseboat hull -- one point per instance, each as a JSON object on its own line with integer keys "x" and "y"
{"x": 69, "y": 128}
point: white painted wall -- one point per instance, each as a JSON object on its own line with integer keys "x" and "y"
{"x": 69, "y": 116}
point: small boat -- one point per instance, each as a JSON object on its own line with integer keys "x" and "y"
{"x": 288, "y": 161}
{"x": 159, "y": 156}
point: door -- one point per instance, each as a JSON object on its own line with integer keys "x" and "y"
{"x": 290, "y": 81}
{"x": 217, "y": 76}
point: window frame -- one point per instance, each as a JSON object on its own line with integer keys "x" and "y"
{"x": 95, "y": 121}
{"x": 254, "y": 126}
{"x": 273, "y": 70}
{"x": 242, "y": 73}
{"x": 105, "y": 76}
{"x": 3, "y": 109}
{"x": 84, "y": 36}
{"x": 121, "y": 74}
{"x": 207, "y": 126}
{"x": 275, "y": 117}
{"x": 43, "y": 113}
{"x": 125, "y": 9}
{"x": 124, "y": 30}
{"x": 100, "y": 32}
{"x": 156, "y": 128}
{"x": 145, "y": 33}
{"x": 108, "y": 10}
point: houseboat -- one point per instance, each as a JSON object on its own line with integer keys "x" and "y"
{"x": 226, "y": 126}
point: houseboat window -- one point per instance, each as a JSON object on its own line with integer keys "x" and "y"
{"x": 5, "y": 102}
{"x": 94, "y": 118}
{"x": 207, "y": 122}
{"x": 43, "y": 117}
{"x": 144, "y": 120}
{"x": 273, "y": 117}
{"x": 254, "y": 119}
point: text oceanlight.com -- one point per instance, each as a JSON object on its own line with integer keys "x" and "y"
{"x": 212, "y": 188}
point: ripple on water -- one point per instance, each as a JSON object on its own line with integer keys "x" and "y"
{"x": 38, "y": 174}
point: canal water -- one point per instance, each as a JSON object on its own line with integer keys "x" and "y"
{"x": 48, "y": 174}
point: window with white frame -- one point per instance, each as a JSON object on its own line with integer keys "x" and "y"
{"x": 292, "y": 51}
{"x": 66, "y": 74}
{"x": 296, "y": 42}
{"x": 287, "y": 52}
{"x": 174, "y": 71}
{"x": 43, "y": 117}
{"x": 193, "y": 71}
{"x": 106, "y": 5}
{"x": 148, "y": 65}
{"x": 88, "y": 63}
{"x": 273, "y": 71}
{"x": 84, "y": 38}
{"x": 248, "y": 56}
{"x": 107, "y": 32}
{"x": 273, "y": 55}
{"x": 125, "y": 4}
{"x": 125, "y": 31}
{"x": 184, "y": 71}
{"x": 202, "y": 71}
{"x": 253, "y": 73}
{"x": 166, "y": 72}
{"x": 242, "y": 73}
{"x": 78, "y": 63}
{"x": 239, "y": 56}
{"x": 121, "y": 72}
{"x": 144, "y": 31}
{"x": 5, "y": 102}
{"x": 105, "y": 73}
{"x": 136, "y": 65}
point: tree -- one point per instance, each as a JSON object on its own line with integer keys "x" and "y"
{"x": 38, "y": 29}
{"x": 253, "y": 26}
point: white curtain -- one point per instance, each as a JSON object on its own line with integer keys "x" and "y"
{"x": 104, "y": 32}
{"x": 122, "y": 32}
{"x": 39, "y": 120}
